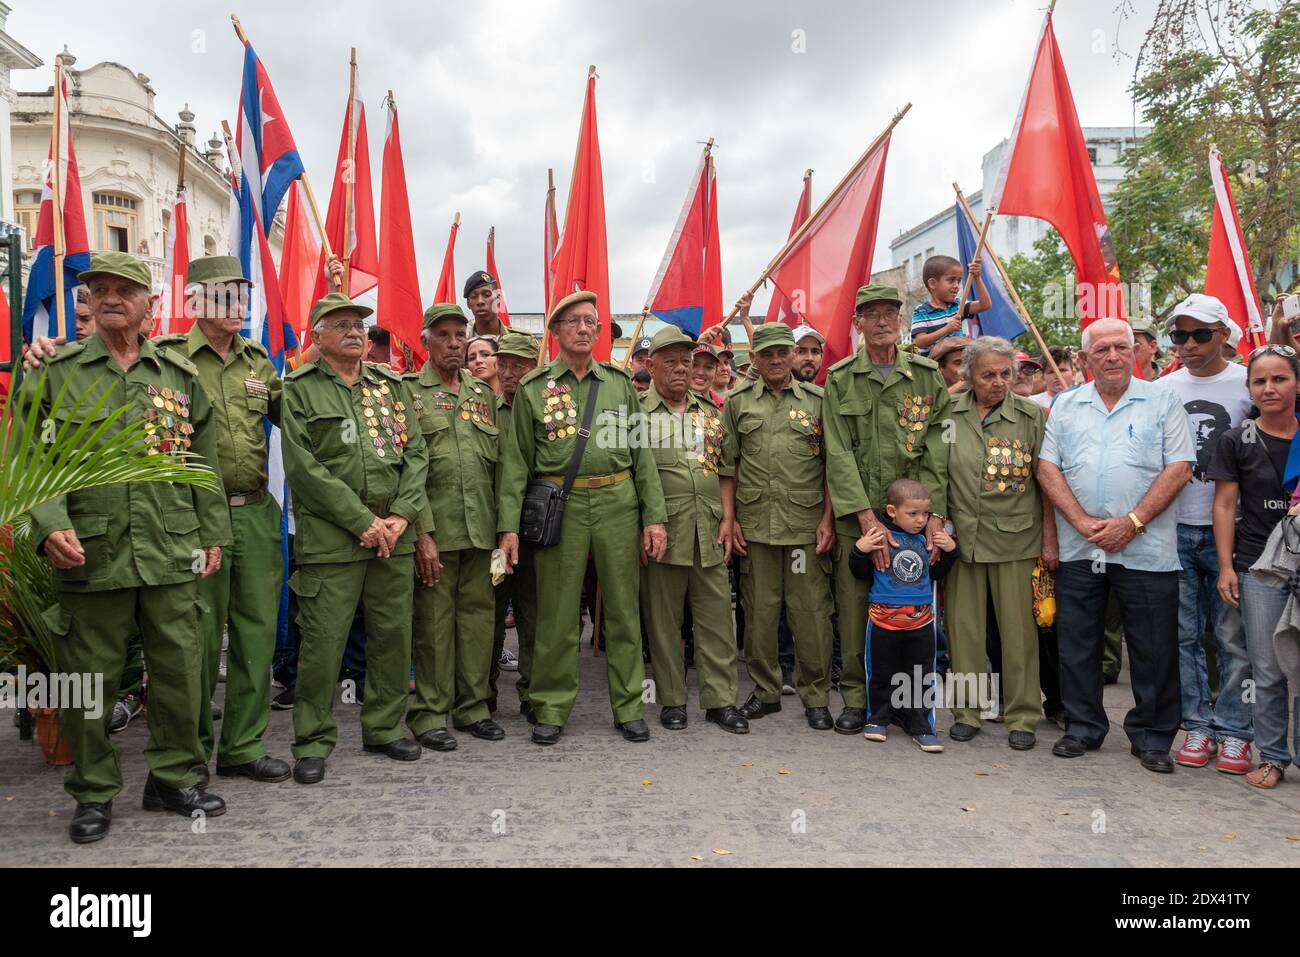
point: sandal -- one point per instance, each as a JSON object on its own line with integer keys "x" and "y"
{"x": 1266, "y": 776}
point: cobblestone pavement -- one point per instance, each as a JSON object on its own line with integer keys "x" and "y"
{"x": 781, "y": 795}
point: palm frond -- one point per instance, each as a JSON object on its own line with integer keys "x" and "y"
{"x": 48, "y": 455}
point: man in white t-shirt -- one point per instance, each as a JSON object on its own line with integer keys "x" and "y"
{"x": 1213, "y": 393}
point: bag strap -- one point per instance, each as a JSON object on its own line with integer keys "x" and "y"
{"x": 584, "y": 432}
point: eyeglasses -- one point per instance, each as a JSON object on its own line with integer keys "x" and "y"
{"x": 890, "y": 316}
{"x": 1201, "y": 336}
{"x": 357, "y": 326}
{"x": 585, "y": 322}
{"x": 1286, "y": 352}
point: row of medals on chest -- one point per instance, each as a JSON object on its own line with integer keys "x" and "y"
{"x": 164, "y": 432}
{"x": 375, "y": 407}
{"x": 1006, "y": 463}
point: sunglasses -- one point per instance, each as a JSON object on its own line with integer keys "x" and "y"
{"x": 1286, "y": 352}
{"x": 1201, "y": 336}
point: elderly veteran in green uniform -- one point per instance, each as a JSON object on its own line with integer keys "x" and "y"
{"x": 516, "y": 357}
{"x": 244, "y": 390}
{"x": 685, "y": 430}
{"x": 1003, "y": 526}
{"x": 884, "y": 413}
{"x": 454, "y": 610}
{"x": 777, "y": 515}
{"x": 614, "y": 512}
{"x": 127, "y": 557}
{"x": 356, "y": 466}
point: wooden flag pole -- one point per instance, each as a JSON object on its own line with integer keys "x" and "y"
{"x": 966, "y": 283}
{"x": 546, "y": 306}
{"x": 60, "y": 246}
{"x": 349, "y": 169}
{"x": 306, "y": 183}
{"x": 631, "y": 343}
{"x": 807, "y": 223}
{"x": 1015, "y": 296}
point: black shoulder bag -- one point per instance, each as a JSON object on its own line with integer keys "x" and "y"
{"x": 543, "y": 510}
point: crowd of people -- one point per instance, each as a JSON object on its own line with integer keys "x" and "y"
{"x": 945, "y": 524}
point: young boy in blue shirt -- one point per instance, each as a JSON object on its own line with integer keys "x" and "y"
{"x": 900, "y": 621}
{"x": 937, "y": 317}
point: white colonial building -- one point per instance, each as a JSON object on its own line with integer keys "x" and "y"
{"x": 13, "y": 56}
{"x": 128, "y": 157}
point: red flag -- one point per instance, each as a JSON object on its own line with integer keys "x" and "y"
{"x": 1228, "y": 276}
{"x": 502, "y": 313}
{"x": 351, "y": 225}
{"x": 446, "y": 291}
{"x": 400, "y": 308}
{"x": 778, "y": 307}
{"x": 171, "y": 314}
{"x": 550, "y": 240}
{"x": 299, "y": 262}
{"x": 821, "y": 272}
{"x": 1048, "y": 176}
{"x": 712, "y": 258}
{"x": 677, "y": 293}
{"x": 582, "y": 261}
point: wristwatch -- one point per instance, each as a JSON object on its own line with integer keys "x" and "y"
{"x": 1137, "y": 523}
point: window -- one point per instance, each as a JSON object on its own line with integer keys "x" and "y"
{"x": 27, "y": 210}
{"x": 115, "y": 222}
{"x": 166, "y": 229}
{"x": 1092, "y": 155}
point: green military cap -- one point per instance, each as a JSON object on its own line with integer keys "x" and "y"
{"x": 123, "y": 265}
{"x": 519, "y": 344}
{"x": 215, "y": 269}
{"x": 876, "y": 292}
{"x": 572, "y": 299}
{"x": 443, "y": 310}
{"x": 669, "y": 336}
{"x": 336, "y": 302}
{"x": 1143, "y": 325}
{"x": 771, "y": 334}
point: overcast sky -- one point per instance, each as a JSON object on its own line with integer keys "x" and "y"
{"x": 490, "y": 94}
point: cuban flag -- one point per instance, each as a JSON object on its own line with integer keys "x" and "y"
{"x": 40, "y": 312}
{"x": 1001, "y": 318}
{"x": 264, "y": 163}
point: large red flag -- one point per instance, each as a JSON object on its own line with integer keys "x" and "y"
{"x": 172, "y": 316}
{"x": 822, "y": 270}
{"x": 446, "y": 291}
{"x": 550, "y": 240}
{"x": 350, "y": 223}
{"x": 502, "y": 312}
{"x": 1048, "y": 175}
{"x": 400, "y": 308}
{"x": 299, "y": 262}
{"x": 712, "y": 258}
{"x": 1227, "y": 273}
{"x": 582, "y": 261}
{"x": 778, "y": 307}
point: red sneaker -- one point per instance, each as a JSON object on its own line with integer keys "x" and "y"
{"x": 1196, "y": 750}
{"x": 1234, "y": 756}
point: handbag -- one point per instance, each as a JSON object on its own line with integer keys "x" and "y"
{"x": 543, "y": 509}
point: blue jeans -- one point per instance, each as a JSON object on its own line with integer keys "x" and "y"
{"x": 1261, "y": 607}
{"x": 1198, "y": 600}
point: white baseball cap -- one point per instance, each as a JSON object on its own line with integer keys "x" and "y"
{"x": 1202, "y": 308}
{"x": 804, "y": 331}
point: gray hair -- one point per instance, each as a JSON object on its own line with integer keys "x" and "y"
{"x": 1105, "y": 325}
{"x": 986, "y": 346}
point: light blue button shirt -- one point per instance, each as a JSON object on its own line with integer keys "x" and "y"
{"x": 1110, "y": 458}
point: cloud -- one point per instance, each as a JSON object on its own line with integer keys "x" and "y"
{"x": 490, "y": 95}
